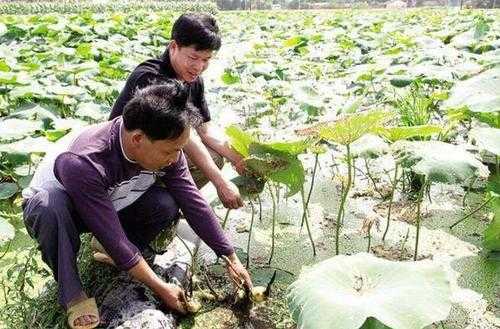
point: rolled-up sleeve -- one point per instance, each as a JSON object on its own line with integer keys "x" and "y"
{"x": 195, "y": 208}
{"x": 86, "y": 187}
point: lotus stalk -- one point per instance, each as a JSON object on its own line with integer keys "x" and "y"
{"x": 274, "y": 224}
{"x": 370, "y": 177}
{"x": 224, "y": 223}
{"x": 481, "y": 206}
{"x": 305, "y": 219}
{"x": 419, "y": 204}
{"x": 306, "y": 203}
{"x": 391, "y": 201}
{"x": 250, "y": 233}
{"x": 345, "y": 192}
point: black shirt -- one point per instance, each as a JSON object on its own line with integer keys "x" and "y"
{"x": 158, "y": 71}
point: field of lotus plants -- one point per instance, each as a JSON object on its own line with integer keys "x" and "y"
{"x": 372, "y": 138}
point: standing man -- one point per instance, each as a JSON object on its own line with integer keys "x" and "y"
{"x": 103, "y": 182}
{"x": 195, "y": 38}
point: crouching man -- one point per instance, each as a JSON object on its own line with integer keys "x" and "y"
{"x": 103, "y": 183}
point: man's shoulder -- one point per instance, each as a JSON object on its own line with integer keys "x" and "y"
{"x": 98, "y": 145}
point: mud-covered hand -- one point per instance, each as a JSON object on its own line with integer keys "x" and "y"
{"x": 229, "y": 195}
{"x": 173, "y": 297}
{"x": 237, "y": 272}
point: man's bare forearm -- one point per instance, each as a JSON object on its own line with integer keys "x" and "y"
{"x": 199, "y": 155}
{"x": 142, "y": 272}
{"x": 211, "y": 137}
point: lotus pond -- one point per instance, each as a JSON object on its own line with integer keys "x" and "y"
{"x": 373, "y": 138}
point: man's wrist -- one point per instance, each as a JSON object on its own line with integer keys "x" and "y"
{"x": 219, "y": 181}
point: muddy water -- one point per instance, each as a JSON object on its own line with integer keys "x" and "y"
{"x": 474, "y": 279}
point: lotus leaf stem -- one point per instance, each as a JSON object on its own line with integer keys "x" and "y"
{"x": 250, "y": 234}
{"x": 481, "y": 206}
{"x": 469, "y": 188}
{"x": 345, "y": 193}
{"x": 419, "y": 203}
{"x": 391, "y": 201}
{"x": 274, "y": 224}
{"x": 225, "y": 219}
{"x": 369, "y": 175}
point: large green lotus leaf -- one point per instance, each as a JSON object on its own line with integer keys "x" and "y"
{"x": 229, "y": 77}
{"x": 276, "y": 165}
{"x": 479, "y": 93}
{"x": 491, "y": 240}
{"x": 369, "y": 147}
{"x": 486, "y": 139}
{"x": 249, "y": 185}
{"x": 28, "y": 145}
{"x": 31, "y": 90}
{"x": 308, "y": 98}
{"x": 293, "y": 176}
{"x": 92, "y": 111}
{"x": 33, "y": 112}
{"x": 13, "y": 78}
{"x": 347, "y": 130}
{"x": 66, "y": 90}
{"x": 345, "y": 291}
{"x": 6, "y": 231}
{"x": 393, "y": 134}
{"x": 239, "y": 139}
{"x": 7, "y": 190}
{"x": 464, "y": 40}
{"x": 18, "y": 128}
{"x": 291, "y": 148}
{"x": 439, "y": 161}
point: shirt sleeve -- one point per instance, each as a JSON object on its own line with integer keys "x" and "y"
{"x": 87, "y": 190}
{"x": 195, "y": 208}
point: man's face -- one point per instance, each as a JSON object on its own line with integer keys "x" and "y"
{"x": 188, "y": 62}
{"x": 158, "y": 154}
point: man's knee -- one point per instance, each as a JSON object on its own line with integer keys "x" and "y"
{"x": 43, "y": 212}
{"x": 161, "y": 204}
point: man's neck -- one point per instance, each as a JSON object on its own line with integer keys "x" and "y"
{"x": 172, "y": 63}
{"x": 124, "y": 144}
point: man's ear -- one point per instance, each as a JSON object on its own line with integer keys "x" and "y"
{"x": 173, "y": 45}
{"x": 137, "y": 138}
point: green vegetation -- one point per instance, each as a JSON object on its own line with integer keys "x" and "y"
{"x": 303, "y": 96}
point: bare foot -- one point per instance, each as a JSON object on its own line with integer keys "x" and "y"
{"x": 83, "y": 320}
{"x": 103, "y": 258}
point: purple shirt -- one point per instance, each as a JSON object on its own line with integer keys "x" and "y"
{"x": 101, "y": 181}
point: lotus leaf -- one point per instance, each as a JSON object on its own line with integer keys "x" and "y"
{"x": 347, "y": 130}
{"x": 486, "y": 139}
{"x": 7, "y": 190}
{"x": 6, "y": 231}
{"x": 369, "y": 147}
{"x": 478, "y": 94}
{"x": 345, "y": 291}
{"x": 393, "y": 134}
{"x": 439, "y": 161}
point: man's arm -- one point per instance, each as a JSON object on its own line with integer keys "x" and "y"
{"x": 200, "y": 216}
{"x": 199, "y": 155}
{"x": 213, "y": 138}
{"x": 88, "y": 193}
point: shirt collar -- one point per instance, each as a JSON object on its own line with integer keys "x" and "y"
{"x": 121, "y": 144}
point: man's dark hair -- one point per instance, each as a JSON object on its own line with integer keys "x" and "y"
{"x": 161, "y": 111}
{"x": 198, "y": 30}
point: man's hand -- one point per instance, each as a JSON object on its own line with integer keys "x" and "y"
{"x": 236, "y": 272}
{"x": 229, "y": 195}
{"x": 173, "y": 297}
